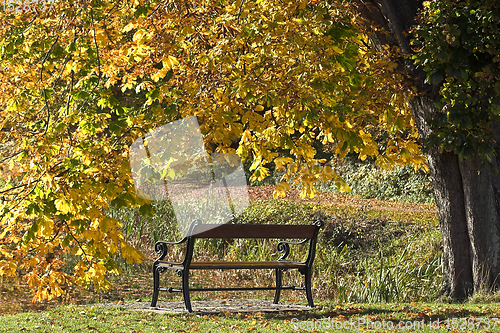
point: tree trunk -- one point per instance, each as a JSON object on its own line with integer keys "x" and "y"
{"x": 466, "y": 192}
{"x": 481, "y": 185}
{"x": 449, "y": 195}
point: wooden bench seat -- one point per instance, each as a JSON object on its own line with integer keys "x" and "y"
{"x": 242, "y": 265}
{"x": 306, "y": 233}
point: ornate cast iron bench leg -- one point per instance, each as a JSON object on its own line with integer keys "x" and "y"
{"x": 279, "y": 275}
{"x": 185, "y": 289}
{"x": 307, "y": 279}
{"x": 156, "y": 286}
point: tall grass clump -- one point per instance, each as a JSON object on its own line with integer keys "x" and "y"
{"x": 396, "y": 278}
{"x": 341, "y": 277}
{"x": 144, "y": 231}
{"x": 372, "y": 266}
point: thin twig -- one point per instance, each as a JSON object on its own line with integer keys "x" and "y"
{"x": 85, "y": 255}
{"x": 240, "y": 10}
{"x": 10, "y": 156}
{"x": 97, "y": 50}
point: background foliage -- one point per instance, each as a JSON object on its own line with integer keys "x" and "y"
{"x": 457, "y": 44}
{"x": 401, "y": 183}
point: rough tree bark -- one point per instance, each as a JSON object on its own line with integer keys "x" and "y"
{"x": 467, "y": 192}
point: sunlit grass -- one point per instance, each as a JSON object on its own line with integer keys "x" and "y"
{"x": 354, "y": 317}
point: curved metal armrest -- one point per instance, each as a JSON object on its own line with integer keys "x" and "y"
{"x": 161, "y": 247}
{"x": 172, "y": 243}
{"x": 284, "y": 247}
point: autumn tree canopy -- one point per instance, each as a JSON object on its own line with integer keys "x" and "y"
{"x": 83, "y": 79}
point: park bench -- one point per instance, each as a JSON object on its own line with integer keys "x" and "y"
{"x": 306, "y": 233}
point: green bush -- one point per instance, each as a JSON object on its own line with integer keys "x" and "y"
{"x": 400, "y": 183}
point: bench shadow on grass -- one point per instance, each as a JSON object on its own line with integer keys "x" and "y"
{"x": 285, "y": 311}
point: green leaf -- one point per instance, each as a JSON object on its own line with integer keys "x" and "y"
{"x": 80, "y": 95}
{"x": 66, "y": 241}
{"x": 436, "y": 78}
{"x": 142, "y": 11}
{"x": 29, "y": 235}
{"x": 147, "y": 210}
{"x": 122, "y": 200}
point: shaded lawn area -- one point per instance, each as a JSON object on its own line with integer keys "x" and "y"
{"x": 16, "y": 296}
{"x": 411, "y": 317}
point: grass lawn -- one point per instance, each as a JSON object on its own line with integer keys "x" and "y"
{"x": 383, "y": 317}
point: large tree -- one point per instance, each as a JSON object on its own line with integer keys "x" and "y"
{"x": 452, "y": 54}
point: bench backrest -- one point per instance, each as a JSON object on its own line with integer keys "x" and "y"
{"x": 254, "y": 231}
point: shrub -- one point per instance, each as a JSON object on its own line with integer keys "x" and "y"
{"x": 400, "y": 184}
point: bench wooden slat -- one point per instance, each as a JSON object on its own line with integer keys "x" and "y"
{"x": 246, "y": 265}
{"x": 254, "y": 231}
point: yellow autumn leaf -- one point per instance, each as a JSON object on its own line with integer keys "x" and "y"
{"x": 129, "y": 26}
{"x": 142, "y": 36}
{"x": 247, "y": 136}
{"x": 131, "y": 255}
{"x": 62, "y": 205}
{"x": 100, "y": 36}
{"x": 7, "y": 268}
{"x": 280, "y": 190}
{"x": 342, "y": 185}
{"x": 280, "y": 162}
{"x": 170, "y": 62}
{"x": 159, "y": 75}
